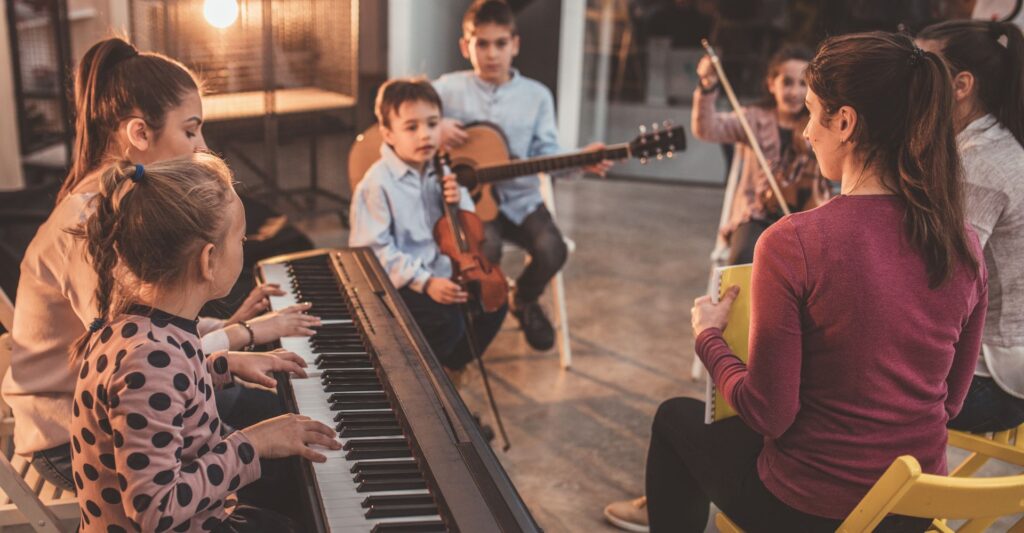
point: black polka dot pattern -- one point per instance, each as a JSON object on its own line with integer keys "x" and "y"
{"x": 151, "y": 403}
{"x": 129, "y": 330}
{"x": 162, "y": 439}
{"x": 159, "y": 359}
{"x": 215, "y": 474}
{"x": 246, "y": 452}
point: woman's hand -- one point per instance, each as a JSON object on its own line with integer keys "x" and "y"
{"x": 707, "y": 73}
{"x": 288, "y": 435}
{"x": 292, "y": 321}
{"x": 258, "y": 367}
{"x": 255, "y": 303}
{"x": 706, "y": 315}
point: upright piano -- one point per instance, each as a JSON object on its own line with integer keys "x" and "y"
{"x": 412, "y": 460}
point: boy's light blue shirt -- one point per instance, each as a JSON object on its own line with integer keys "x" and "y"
{"x": 524, "y": 109}
{"x": 394, "y": 210}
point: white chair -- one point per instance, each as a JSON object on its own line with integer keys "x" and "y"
{"x": 25, "y": 498}
{"x": 720, "y": 254}
{"x": 560, "y": 311}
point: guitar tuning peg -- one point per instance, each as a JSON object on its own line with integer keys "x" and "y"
{"x": 643, "y": 129}
{"x": 670, "y": 154}
{"x": 668, "y": 124}
{"x": 643, "y": 160}
{"x": 654, "y": 126}
{"x": 661, "y": 156}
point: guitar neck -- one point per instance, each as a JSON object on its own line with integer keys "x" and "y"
{"x": 552, "y": 163}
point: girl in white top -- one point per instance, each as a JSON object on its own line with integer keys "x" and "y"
{"x": 142, "y": 107}
{"x": 987, "y": 62}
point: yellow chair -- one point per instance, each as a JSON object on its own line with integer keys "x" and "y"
{"x": 903, "y": 489}
{"x": 1007, "y": 446}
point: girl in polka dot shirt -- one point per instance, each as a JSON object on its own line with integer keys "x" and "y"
{"x": 149, "y": 452}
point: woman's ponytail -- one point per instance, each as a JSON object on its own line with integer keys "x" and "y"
{"x": 993, "y": 52}
{"x": 1011, "y": 107}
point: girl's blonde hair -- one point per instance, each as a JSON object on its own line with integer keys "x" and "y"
{"x": 148, "y": 224}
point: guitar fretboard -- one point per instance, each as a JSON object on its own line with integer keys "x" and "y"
{"x": 550, "y": 163}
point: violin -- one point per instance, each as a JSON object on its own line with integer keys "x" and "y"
{"x": 801, "y": 187}
{"x": 459, "y": 234}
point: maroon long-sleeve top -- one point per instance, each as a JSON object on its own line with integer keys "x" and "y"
{"x": 854, "y": 360}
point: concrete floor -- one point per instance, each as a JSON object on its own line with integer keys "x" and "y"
{"x": 579, "y": 437}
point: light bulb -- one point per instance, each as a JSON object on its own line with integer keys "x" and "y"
{"x": 220, "y": 13}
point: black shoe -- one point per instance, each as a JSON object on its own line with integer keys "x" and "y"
{"x": 485, "y": 430}
{"x": 539, "y": 333}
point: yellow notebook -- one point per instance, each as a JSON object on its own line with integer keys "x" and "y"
{"x": 737, "y": 332}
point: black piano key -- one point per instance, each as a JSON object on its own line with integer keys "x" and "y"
{"x": 395, "y": 511}
{"x": 355, "y": 396}
{"x": 382, "y": 465}
{"x": 384, "y": 486}
{"x": 394, "y": 452}
{"x": 347, "y": 374}
{"x": 387, "y": 476}
{"x": 397, "y": 499}
{"x": 372, "y": 443}
{"x": 424, "y": 526}
{"x": 375, "y": 417}
{"x": 359, "y": 405}
{"x": 354, "y": 386}
{"x": 368, "y": 431}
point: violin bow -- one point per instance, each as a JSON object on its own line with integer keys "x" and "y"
{"x": 746, "y": 125}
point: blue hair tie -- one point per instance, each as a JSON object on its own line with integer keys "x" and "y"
{"x": 140, "y": 172}
{"x": 97, "y": 324}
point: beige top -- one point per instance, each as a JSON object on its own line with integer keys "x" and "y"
{"x": 54, "y": 307}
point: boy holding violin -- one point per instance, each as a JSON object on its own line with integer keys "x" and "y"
{"x": 394, "y": 210}
{"x": 524, "y": 110}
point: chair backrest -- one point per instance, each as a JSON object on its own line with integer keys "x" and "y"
{"x": 365, "y": 151}
{"x": 904, "y": 489}
{"x": 6, "y": 311}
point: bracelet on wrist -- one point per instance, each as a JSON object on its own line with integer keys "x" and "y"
{"x": 252, "y": 335}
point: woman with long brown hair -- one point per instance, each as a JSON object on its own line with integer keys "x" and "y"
{"x": 987, "y": 60}
{"x": 866, "y": 315}
{"x": 133, "y": 105}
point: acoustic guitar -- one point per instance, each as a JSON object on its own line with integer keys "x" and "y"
{"x": 485, "y": 159}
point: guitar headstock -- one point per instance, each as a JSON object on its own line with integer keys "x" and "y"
{"x": 658, "y": 142}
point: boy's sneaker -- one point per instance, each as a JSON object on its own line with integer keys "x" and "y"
{"x": 539, "y": 333}
{"x": 630, "y": 515}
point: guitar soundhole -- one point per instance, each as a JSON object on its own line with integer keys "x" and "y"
{"x": 467, "y": 178}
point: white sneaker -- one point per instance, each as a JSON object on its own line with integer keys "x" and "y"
{"x": 630, "y": 515}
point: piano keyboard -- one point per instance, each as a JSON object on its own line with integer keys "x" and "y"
{"x": 406, "y": 443}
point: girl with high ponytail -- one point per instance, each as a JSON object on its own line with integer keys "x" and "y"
{"x": 166, "y": 238}
{"x": 866, "y": 315}
{"x": 987, "y": 63}
{"x": 136, "y": 106}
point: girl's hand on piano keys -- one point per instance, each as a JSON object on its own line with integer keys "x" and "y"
{"x": 288, "y": 435}
{"x": 255, "y": 303}
{"x": 257, "y": 367}
{"x": 292, "y": 321}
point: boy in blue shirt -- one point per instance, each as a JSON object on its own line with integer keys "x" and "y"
{"x": 524, "y": 109}
{"x": 394, "y": 210}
